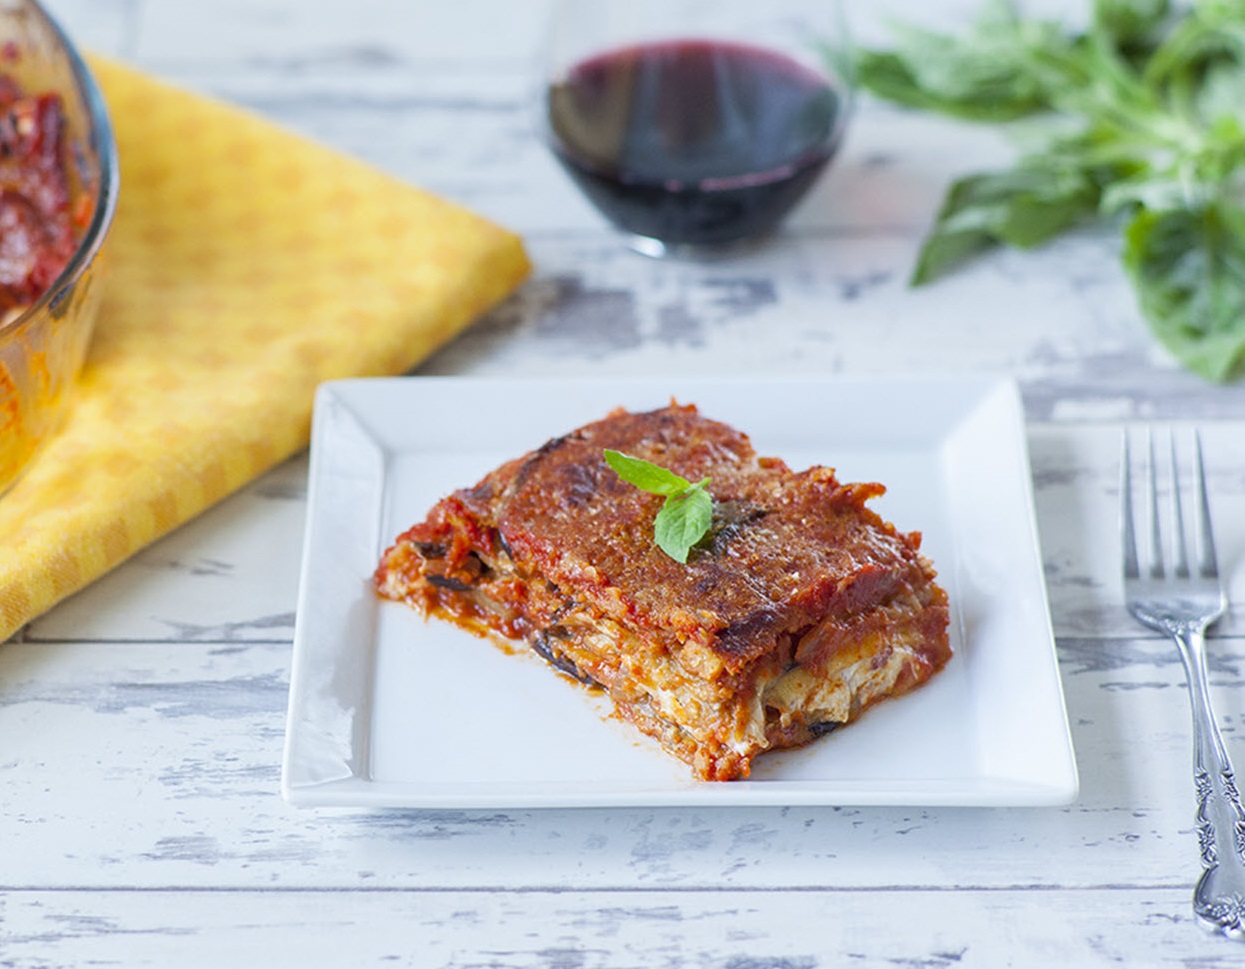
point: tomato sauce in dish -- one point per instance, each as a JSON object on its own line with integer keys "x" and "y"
{"x": 37, "y": 220}
{"x": 43, "y": 216}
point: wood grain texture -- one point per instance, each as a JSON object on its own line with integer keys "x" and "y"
{"x": 636, "y": 930}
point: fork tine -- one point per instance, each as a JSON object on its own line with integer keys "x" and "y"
{"x": 1156, "y": 537}
{"x": 1207, "y": 566}
{"x": 1132, "y": 569}
{"x": 1180, "y": 568}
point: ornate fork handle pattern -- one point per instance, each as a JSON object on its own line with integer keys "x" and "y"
{"x": 1182, "y": 600}
{"x": 1219, "y": 898}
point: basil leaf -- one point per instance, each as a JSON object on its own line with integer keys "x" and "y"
{"x": 687, "y": 514}
{"x": 1022, "y": 207}
{"x": 1131, "y": 24}
{"x": 1208, "y": 34}
{"x": 683, "y": 521}
{"x": 1188, "y": 267}
{"x": 934, "y": 73}
{"x": 1149, "y": 128}
{"x": 1148, "y": 191}
{"x": 645, "y": 475}
{"x": 1220, "y": 94}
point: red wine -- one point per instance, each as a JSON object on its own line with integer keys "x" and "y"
{"x": 693, "y": 141}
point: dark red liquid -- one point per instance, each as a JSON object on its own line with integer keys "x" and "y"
{"x": 694, "y": 142}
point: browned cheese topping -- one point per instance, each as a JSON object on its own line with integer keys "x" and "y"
{"x": 800, "y": 608}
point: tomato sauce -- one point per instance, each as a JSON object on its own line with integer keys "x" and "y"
{"x": 37, "y": 219}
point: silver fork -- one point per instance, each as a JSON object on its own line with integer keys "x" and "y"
{"x": 1183, "y": 603}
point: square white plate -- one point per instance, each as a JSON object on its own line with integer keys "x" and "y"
{"x": 387, "y": 709}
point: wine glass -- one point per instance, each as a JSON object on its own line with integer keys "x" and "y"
{"x": 694, "y": 126}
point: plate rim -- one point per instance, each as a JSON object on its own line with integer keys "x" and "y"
{"x": 352, "y": 784}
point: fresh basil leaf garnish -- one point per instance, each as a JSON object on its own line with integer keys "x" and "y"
{"x": 687, "y": 514}
{"x": 645, "y": 475}
{"x": 683, "y": 521}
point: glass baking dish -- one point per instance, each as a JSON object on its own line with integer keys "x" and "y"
{"x": 43, "y": 344}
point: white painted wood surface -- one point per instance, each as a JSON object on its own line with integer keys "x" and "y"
{"x": 141, "y": 722}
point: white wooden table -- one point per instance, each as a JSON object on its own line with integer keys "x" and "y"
{"x": 141, "y": 723}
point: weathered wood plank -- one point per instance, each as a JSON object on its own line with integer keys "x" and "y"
{"x": 150, "y": 765}
{"x": 650, "y": 929}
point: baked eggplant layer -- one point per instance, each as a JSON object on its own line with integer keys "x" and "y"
{"x": 799, "y": 610}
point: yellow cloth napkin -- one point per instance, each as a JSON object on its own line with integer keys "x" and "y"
{"x": 247, "y": 265}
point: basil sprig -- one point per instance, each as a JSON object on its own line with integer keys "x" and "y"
{"x": 688, "y": 510}
{"x": 1151, "y": 94}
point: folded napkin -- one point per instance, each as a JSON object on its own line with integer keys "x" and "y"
{"x": 247, "y": 265}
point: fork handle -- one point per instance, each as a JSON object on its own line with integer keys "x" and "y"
{"x": 1219, "y": 899}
